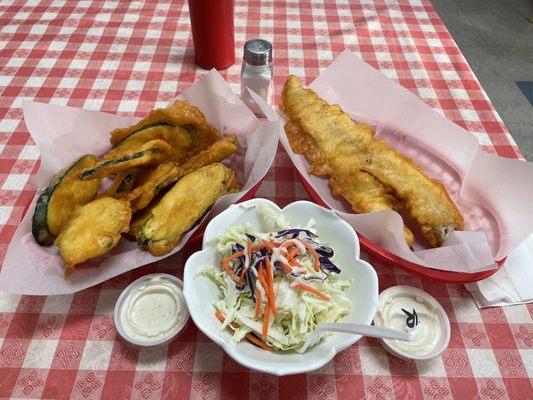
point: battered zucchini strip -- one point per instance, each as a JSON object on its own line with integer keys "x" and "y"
{"x": 151, "y": 183}
{"x": 93, "y": 230}
{"x": 182, "y": 125}
{"x": 124, "y": 182}
{"x": 149, "y": 153}
{"x": 64, "y": 194}
{"x": 183, "y": 205}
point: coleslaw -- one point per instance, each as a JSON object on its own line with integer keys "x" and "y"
{"x": 276, "y": 285}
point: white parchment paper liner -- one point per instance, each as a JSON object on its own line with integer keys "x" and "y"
{"x": 493, "y": 193}
{"x": 63, "y": 134}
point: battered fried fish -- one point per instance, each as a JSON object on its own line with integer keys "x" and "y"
{"x": 148, "y": 153}
{"x": 364, "y": 192}
{"x": 151, "y": 183}
{"x": 349, "y": 148}
{"x": 93, "y": 230}
{"x": 181, "y": 125}
{"x": 183, "y": 205}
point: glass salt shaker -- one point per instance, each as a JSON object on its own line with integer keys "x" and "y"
{"x": 257, "y": 73}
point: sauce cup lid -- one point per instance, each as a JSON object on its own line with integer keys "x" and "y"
{"x": 162, "y": 293}
{"x": 397, "y": 309}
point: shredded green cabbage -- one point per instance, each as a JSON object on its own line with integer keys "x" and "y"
{"x": 297, "y": 312}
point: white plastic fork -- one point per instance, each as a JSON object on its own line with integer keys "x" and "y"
{"x": 356, "y": 329}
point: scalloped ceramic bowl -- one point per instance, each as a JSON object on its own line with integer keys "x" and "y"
{"x": 200, "y": 291}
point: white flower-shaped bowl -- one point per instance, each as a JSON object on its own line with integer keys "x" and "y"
{"x": 200, "y": 291}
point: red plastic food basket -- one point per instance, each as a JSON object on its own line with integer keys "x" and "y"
{"x": 399, "y": 262}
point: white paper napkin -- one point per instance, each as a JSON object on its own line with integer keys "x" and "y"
{"x": 512, "y": 284}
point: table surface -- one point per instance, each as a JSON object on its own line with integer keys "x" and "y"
{"x": 131, "y": 56}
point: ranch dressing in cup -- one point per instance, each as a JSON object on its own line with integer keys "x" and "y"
{"x": 152, "y": 310}
{"x": 409, "y": 309}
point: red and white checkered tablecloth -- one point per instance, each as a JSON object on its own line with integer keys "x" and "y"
{"x": 131, "y": 56}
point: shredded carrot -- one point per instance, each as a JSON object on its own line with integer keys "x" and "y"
{"x": 265, "y": 321}
{"x": 241, "y": 278}
{"x": 230, "y": 272}
{"x": 269, "y": 270}
{"x": 311, "y": 289}
{"x": 266, "y": 287}
{"x": 257, "y": 303}
{"x": 267, "y": 244}
{"x": 248, "y": 248}
{"x": 292, "y": 261}
{"x": 286, "y": 267}
{"x": 240, "y": 253}
{"x": 258, "y": 342}
{"x": 271, "y": 282}
{"x": 314, "y": 254}
{"x": 248, "y": 336}
{"x": 232, "y": 257}
{"x": 294, "y": 253}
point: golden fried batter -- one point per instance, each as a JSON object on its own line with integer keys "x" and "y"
{"x": 152, "y": 182}
{"x": 182, "y": 125}
{"x": 183, "y": 205}
{"x": 348, "y": 148}
{"x": 70, "y": 194}
{"x": 124, "y": 182}
{"x": 149, "y": 153}
{"x": 93, "y": 230}
{"x": 364, "y": 192}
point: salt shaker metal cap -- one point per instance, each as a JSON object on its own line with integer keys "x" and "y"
{"x": 257, "y": 52}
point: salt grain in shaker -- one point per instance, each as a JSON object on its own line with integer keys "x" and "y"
{"x": 257, "y": 72}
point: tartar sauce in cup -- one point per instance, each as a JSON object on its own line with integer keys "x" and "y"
{"x": 151, "y": 310}
{"x": 409, "y": 309}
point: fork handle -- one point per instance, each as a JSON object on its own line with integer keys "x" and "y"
{"x": 367, "y": 330}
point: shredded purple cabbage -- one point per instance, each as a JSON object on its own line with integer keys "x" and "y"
{"x": 326, "y": 263}
{"x": 258, "y": 256}
{"x": 294, "y": 233}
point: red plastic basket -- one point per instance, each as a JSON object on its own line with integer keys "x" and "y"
{"x": 384, "y": 255}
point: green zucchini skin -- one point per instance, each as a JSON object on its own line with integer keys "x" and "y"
{"x": 152, "y": 125}
{"x": 125, "y": 183}
{"x": 90, "y": 172}
{"x": 39, "y": 222}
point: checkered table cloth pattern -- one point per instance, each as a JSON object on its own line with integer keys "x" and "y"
{"x": 131, "y": 56}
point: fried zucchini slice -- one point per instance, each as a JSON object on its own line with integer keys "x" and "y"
{"x": 151, "y": 183}
{"x": 183, "y": 205}
{"x": 149, "y": 153}
{"x": 93, "y": 230}
{"x": 124, "y": 182}
{"x": 64, "y": 193}
{"x": 217, "y": 152}
{"x": 140, "y": 218}
{"x": 182, "y": 125}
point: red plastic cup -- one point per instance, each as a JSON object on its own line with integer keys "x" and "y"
{"x": 212, "y": 33}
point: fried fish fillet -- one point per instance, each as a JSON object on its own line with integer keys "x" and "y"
{"x": 182, "y": 125}
{"x": 93, "y": 230}
{"x": 148, "y": 153}
{"x": 348, "y": 147}
{"x": 152, "y": 182}
{"x": 364, "y": 192}
{"x": 182, "y": 206}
